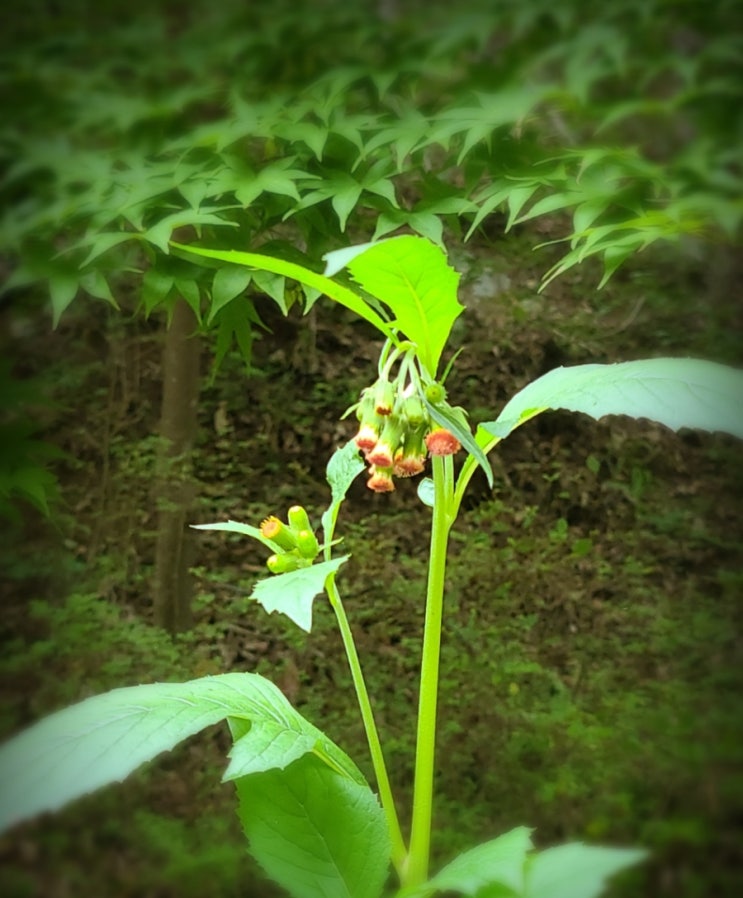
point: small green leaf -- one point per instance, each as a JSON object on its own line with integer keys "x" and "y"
{"x": 344, "y": 467}
{"x": 293, "y": 594}
{"x": 190, "y": 292}
{"x": 95, "y": 283}
{"x": 412, "y": 277}
{"x": 576, "y": 870}
{"x": 62, "y": 289}
{"x": 426, "y": 491}
{"x": 156, "y": 286}
{"x": 272, "y": 285}
{"x": 229, "y": 281}
{"x": 675, "y": 392}
{"x": 315, "y": 832}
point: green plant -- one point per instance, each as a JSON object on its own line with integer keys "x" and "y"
{"x": 312, "y": 821}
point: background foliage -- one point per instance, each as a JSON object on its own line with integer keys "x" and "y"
{"x": 594, "y": 604}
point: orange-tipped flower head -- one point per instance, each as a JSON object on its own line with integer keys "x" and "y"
{"x": 441, "y": 441}
{"x": 380, "y": 480}
{"x": 367, "y": 437}
{"x": 383, "y": 453}
{"x": 275, "y": 530}
{"x": 410, "y": 458}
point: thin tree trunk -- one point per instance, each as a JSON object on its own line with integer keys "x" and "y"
{"x": 175, "y": 490}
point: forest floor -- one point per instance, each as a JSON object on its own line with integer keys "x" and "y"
{"x": 592, "y": 640}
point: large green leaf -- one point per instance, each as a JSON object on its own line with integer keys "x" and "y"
{"x": 299, "y": 273}
{"x": 411, "y": 276}
{"x": 103, "y": 739}
{"x": 675, "y": 392}
{"x": 317, "y": 833}
{"x": 576, "y": 870}
{"x": 293, "y": 594}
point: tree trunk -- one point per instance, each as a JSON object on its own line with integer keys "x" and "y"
{"x": 175, "y": 488}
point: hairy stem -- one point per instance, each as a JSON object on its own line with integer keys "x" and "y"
{"x": 399, "y": 851}
{"x": 420, "y": 838}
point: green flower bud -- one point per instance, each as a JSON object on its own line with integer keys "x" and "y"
{"x": 283, "y": 564}
{"x": 435, "y": 393}
{"x": 414, "y": 411}
{"x": 298, "y": 519}
{"x": 275, "y": 530}
{"x": 307, "y": 544}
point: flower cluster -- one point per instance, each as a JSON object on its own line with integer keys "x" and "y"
{"x": 296, "y": 542}
{"x": 396, "y": 434}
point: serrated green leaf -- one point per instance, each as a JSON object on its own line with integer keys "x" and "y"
{"x": 500, "y": 862}
{"x": 292, "y": 594}
{"x": 675, "y": 392}
{"x": 576, "y": 870}
{"x": 338, "y": 259}
{"x": 411, "y": 276}
{"x": 344, "y": 467}
{"x": 316, "y": 833}
{"x": 103, "y": 739}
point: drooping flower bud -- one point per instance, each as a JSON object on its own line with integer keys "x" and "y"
{"x": 380, "y": 480}
{"x": 383, "y": 453}
{"x": 367, "y": 437}
{"x": 275, "y": 530}
{"x": 307, "y": 544}
{"x": 413, "y": 411}
{"x": 441, "y": 441}
{"x": 410, "y": 458}
{"x": 384, "y": 397}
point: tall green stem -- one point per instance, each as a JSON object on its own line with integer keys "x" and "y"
{"x": 399, "y": 852}
{"x": 420, "y": 838}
